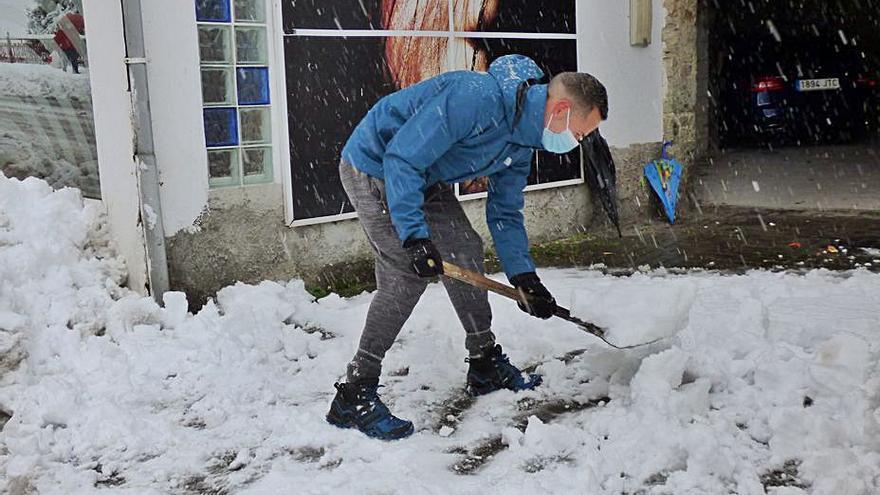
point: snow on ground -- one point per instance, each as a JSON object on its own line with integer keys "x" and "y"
{"x": 35, "y": 80}
{"x": 47, "y": 126}
{"x": 767, "y": 380}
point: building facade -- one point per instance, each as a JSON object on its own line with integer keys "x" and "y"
{"x": 251, "y": 101}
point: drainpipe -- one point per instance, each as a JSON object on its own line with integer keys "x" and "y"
{"x": 144, "y": 150}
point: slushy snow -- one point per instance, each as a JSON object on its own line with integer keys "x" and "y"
{"x": 766, "y": 382}
{"x": 47, "y": 126}
{"x": 42, "y": 81}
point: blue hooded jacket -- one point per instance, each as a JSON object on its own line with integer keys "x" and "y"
{"x": 455, "y": 127}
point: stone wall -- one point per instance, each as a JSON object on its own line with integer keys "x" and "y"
{"x": 636, "y": 202}
{"x": 685, "y": 115}
{"x": 686, "y": 105}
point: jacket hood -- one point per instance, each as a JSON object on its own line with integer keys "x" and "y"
{"x": 510, "y": 71}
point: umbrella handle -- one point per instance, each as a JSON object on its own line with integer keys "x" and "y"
{"x": 663, "y": 152}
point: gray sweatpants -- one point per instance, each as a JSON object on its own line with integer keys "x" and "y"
{"x": 398, "y": 289}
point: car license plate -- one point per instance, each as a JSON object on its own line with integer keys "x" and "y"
{"x": 830, "y": 83}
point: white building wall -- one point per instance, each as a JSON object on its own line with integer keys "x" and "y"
{"x": 172, "y": 48}
{"x": 633, "y": 75}
{"x": 111, "y": 103}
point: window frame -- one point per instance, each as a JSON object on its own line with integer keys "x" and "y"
{"x": 239, "y": 179}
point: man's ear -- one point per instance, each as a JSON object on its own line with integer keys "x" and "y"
{"x": 561, "y": 105}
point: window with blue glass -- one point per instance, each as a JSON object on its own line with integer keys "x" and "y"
{"x": 253, "y": 86}
{"x": 213, "y": 11}
{"x": 221, "y": 127}
{"x": 234, "y": 59}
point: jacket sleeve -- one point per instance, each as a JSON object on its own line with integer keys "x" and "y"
{"x": 504, "y": 216}
{"x": 424, "y": 138}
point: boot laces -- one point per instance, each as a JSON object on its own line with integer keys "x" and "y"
{"x": 492, "y": 354}
{"x": 365, "y": 397}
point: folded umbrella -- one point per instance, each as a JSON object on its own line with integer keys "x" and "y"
{"x": 663, "y": 175}
{"x": 601, "y": 174}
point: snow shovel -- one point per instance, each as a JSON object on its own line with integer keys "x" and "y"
{"x": 477, "y": 280}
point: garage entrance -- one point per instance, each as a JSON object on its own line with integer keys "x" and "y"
{"x": 794, "y": 104}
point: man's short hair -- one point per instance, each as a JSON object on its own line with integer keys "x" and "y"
{"x": 585, "y": 90}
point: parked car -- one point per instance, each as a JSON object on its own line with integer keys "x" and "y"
{"x": 798, "y": 87}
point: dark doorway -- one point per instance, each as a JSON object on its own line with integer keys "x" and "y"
{"x": 795, "y": 72}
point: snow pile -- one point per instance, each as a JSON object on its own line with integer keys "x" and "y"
{"x": 766, "y": 383}
{"x": 650, "y": 313}
{"x": 769, "y": 375}
{"x": 58, "y": 278}
{"x": 56, "y": 268}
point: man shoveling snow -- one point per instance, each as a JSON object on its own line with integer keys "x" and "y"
{"x": 397, "y": 168}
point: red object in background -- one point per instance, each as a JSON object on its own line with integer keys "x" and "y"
{"x": 867, "y": 82}
{"x": 61, "y": 38}
{"x": 768, "y": 83}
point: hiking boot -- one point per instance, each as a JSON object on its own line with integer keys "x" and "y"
{"x": 492, "y": 371}
{"x": 357, "y": 405}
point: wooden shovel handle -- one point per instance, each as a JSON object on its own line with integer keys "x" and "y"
{"x": 478, "y": 280}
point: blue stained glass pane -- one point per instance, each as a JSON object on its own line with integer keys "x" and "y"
{"x": 221, "y": 127}
{"x": 213, "y": 11}
{"x": 253, "y": 86}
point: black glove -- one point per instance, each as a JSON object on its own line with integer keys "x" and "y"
{"x": 423, "y": 257}
{"x": 540, "y": 302}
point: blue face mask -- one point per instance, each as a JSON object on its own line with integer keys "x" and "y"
{"x": 559, "y": 142}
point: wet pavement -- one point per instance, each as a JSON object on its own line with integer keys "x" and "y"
{"x": 823, "y": 178}
{"x": 793, "y": 208}
{"x": 729, "y": 239}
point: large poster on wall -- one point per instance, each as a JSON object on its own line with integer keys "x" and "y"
{"x": 343, "y": 56}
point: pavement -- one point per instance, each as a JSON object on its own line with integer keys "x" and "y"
{"x": 820, "y": 178}
{"x": 794, "y": 208}
{"x": 728, "y": 239}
